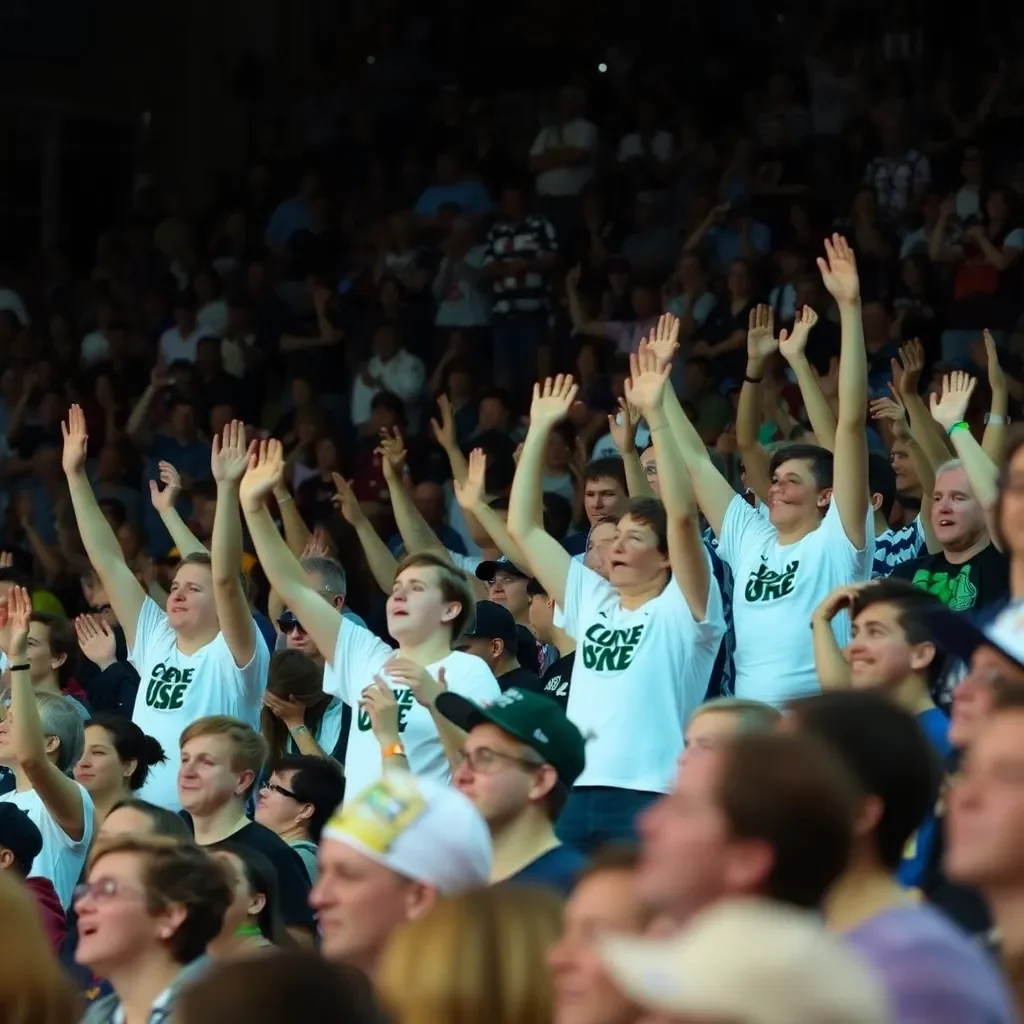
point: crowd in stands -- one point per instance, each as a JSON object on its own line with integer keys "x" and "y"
{"x": 565, "y": 569}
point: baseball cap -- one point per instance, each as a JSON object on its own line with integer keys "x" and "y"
{"x": 418, "y": 827}
{"x": 19, "y": 834}
{"x": 752, "y": 962}
{"x": 535, "y": 587}
{"x": 956, "y": 634}
{"x": 486, "y": 571}
{"x": 531, "y": 718}
{"x": 494, "y": 622}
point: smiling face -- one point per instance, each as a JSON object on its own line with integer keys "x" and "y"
{"x": 633, "y": 557}
{"x": 417, "y": 607}
{"x": 879, "y": 654}
{"x": 794, "y": 497}
{"x": 957, "y": 517}
{"x": 277, "y": 810}
{"x": 191, "y": 608}
{"x": 41, "y": 659}
{"x": 206, "y": 779}
{"x": 99, "y": 769}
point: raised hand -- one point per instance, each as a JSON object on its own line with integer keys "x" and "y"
{"x": 96, "y": 640}
{"x": 76, "y": 442}
{"x": 425, "y": 688}
{"x": 379, "y": 702}
{"x": 392, "y": 450}
{"x": 761, "y": 340}
{"x": 645, "y": 385}
{"x": 829, "y": 380}
{"x": 346, "y": 502}
{"x": 912, "y": 358}
{"x": 318, "y": 545}
{"x": 164, "y": 500}
{"x": 229, "y": 458}
{"x": 839, "y": 271}
{"x": 894, "y": 411}
{"x": 996, "y": 376}
{"x": 839, "y": 599}
{"x": 552, "y": 400}
{"x": 469, "y": 493}
{"x": 951, "y": 406}
{"x": 622, "y": 426}
{"x": 793, "y": 344}
{"x": 19, "y": 617}
{"x": 444, "y": 429}
{"x": 664, "y": 339}
{"x": 264, "y": 473}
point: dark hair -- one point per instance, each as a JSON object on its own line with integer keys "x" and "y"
{"x": 131, "y": 744}
{"x": 390, "y": 401}
{"x": 887, "y": 753}
{"x": 606, "y": 469}
{"x": 819, "y": 458}
{"x": 557, "y": 514}
{"x": 650, "y": 512}
{"x": 500, "y": 395}
{"x": 794, "y": 794}
{"x": 318, "y": 781}
{"x": 165, "y": 823}
{"x": 882, "y": 480}
{"x": 63, "y": 640}
{"x": 293, "y": 674}
{"x": 265, "y": 990}
{"x": 262, "y": 878}
{"x": 914, "y": 609}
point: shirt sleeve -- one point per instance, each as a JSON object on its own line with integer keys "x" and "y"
{"x": 583, "y": 589}
{"x": 474, "y": 680}
{"x": 842, "y": 548}
{"x": 152, "y": 633}
{"x": 358, "y": 656}
{"x": 742, "y": 528}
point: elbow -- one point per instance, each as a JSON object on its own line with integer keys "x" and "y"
{"x": 31, "y": 758}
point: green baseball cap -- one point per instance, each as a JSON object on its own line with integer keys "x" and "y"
{"x": 531, "y": 718}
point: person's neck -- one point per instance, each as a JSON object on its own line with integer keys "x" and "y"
{"x": 428, "y": 651}
{"x": 959, "y": 557}
{"x": 636, "y": 597}
{"x": 48, "y": 684}
{"x": 563, "y": 643}
{"x": 231, "y": 947}
{"x": 881, "y": 524}
{"x": 912, "y": 694}
{"x": 195, "y": 642}
{"x": 138, "y": 984}
{"x": 218, "y": 825}
{"x": 507, "y": 664}
{"x": 797, "y": 532}
{"x": 862, "y": 892}
{"x": 293, "y": 833}
{"x": 1007, "y": 907}
{"x": 520, "y": 842}
{"x": 1017, "y": 576}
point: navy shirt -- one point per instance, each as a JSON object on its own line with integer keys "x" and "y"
{"x": 557, "y": 869}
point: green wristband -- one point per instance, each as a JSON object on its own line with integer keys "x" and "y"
{"x": 957, "y": 426}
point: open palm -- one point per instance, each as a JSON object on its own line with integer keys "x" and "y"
{"x": 839, "y": 270}
{"x": 76, "y": 441}
{"x": 622, "y": 426}
{"x": 469, "y": 493}
{"x": 229, "y": 458}
{"x": 346, "y": 500}
{"x": 392, "y": 450}
{"x": 645, "y": 385}
{"x": 793, "y": 344}
{"x": 664, "y": 339}
{"x": 552, "y": 400}
{"x": 265, "y": 472}
{"x": 761, "y": 340}
{"x": 951, "y": 406}
{"x": 164, "y": 500}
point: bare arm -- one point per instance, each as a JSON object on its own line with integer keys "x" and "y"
{"x": 794, "y": 351}
{"x": 98, "y": 539}
{"x": 994, "y": 439}
{"x": 164, "y": 502}
{"x": 761, "y": 344}
{"x": 380, "y": 560}
{"x": 415, "y": 530}
{"x": 622, "y": 426}
{"x": 832, "y": 668}
{"x": 296, "y": 533}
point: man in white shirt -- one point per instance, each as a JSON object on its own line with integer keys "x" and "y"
{"x": 429, "y": 606}
{"x": 181, "y": 341}
{"x": 647, "y": 637}
{"x": 562, "y": 155}
{"x": 390, "y": 368}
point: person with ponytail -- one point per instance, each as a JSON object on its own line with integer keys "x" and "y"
{"x": 116, "y": 761}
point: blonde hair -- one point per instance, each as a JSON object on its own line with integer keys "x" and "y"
{"x": 33, "y": 986}
{"x": 453, "y": 583}
{"x": 472, "y": 957}
{"x": 754, "y": 715}
{"x": 249, "y": 749}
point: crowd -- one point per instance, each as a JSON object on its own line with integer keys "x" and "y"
{"x": 569, "y": 582}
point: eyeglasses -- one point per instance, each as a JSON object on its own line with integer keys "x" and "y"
{"x": 273, "y": 787}
{"x": 650, "y": 469}
{"x": 487, "y": 761}
{"x": 504, "y": 579}
{"x": 288, "y": 622}
{"x": 104, "y": 889}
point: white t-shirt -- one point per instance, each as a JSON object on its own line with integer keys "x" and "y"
{"x": 631, "y": 146}
{"x": 467, "y": 563}
{"x": 174, "y": 346}
{"x": 565, "y": 181}
{"x": 62, "y": 858}
{"x": 175, "y": 689}
{"x": 777, "y": 589}
{"x": 637, "y": 676}
{"x": 360, "y": 655}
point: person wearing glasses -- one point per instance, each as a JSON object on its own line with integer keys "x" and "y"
{"x": 148, "y": 909}
{"x": 521, "y": 757}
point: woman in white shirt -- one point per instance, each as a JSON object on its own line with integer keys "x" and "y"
{"x": 40, "y": 739}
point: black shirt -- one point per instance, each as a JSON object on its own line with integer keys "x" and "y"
{"x": 521, "y": 678}
{"x": 980, "y": 581}
{"x": 557, "y": 678}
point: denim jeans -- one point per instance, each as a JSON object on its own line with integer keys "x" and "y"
{"x": 595, "y": 815}
{"x": 517, "y": 336}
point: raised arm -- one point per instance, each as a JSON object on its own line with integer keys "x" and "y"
{"x": 713, "y": 492}
{"x": 646, "y": 388}
{"x": 926, "y": 432}
{"x": 381, "y": 562}
{"x": 296, "y": 532}
{"x": 469, "y": 493}
{"x": 850, "y": 489}
{"x": 997, "y": 419}
{"x": 761, "y": 344}
{"x": 793, "y": 347}
{"x": 622, "y": 426}
{"x": 60, "y": 795}
{"x": 283, "y": 571}
{"x": 444, "y": 434}
{"x": 416, "y": 533}
{"x": 832, "y": 668}
{"x": 164, "y": 501}
{"x": 228, "y": 460}
{"x": 548, "y": 560}
{"x": 580, "y": 321}
{"x": 101, "y": 546}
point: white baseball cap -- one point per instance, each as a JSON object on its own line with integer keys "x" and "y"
{"x": 748, "y": 962}
{"x": 957, "y": 634}
{"x": 418, "y": 827}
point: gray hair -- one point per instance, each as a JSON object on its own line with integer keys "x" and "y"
{"x": 754, "y": 715}
{"x": 60, "y": 718}
{"x": 332, "y": 576}
{"x": 947, "y": 467}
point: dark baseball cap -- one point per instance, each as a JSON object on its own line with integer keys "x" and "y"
{"x": 531, "y": 718}
{"x": 957, "y": 634}
{"x": 494, "y": 622}
{"x": 19, "y": 834}
{"x": 486, "y": 571}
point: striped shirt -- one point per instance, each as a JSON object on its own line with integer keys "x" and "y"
{"x": 894, "y": 547}
{"x": 722, "y": 675}
{"x": 529, "y": 291}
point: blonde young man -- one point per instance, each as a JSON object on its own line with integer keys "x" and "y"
{"x": 430, "y": 604}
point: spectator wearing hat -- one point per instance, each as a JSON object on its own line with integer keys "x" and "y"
{"x": 20, "y": 844}
{"x": 495, "y": 637}
{"x": 387, "y": 856}
{"x": 521, "y": 757}
{"x": 508, "y": 585}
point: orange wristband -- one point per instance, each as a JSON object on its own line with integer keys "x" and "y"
{"x": 395, "y": 750}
